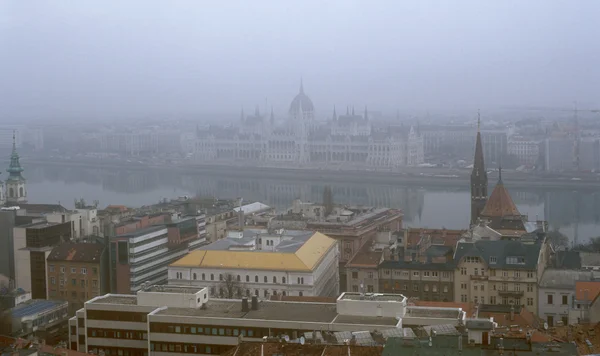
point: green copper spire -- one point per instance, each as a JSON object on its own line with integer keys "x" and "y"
{"x": 15, "y": 168}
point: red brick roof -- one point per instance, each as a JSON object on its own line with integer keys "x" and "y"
{"x": 500, "y": 204}
{"x": 587, "y": 290}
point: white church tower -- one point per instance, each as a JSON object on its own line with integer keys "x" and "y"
{"x": 16, "y": 191}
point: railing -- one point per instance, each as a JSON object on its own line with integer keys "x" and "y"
{"x": 479, "y": 278}
{"x": 511, "y": 292}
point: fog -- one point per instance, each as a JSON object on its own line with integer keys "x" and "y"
{"x": 99, "y": 59}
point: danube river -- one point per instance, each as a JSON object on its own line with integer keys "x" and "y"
{"x": 576, "y": 213}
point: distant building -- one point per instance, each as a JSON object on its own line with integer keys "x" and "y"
{"x": 559, "y": 153}
{"x": 77, "y": 273}
{"x": 348, "y": 140}
{"x": 527, "y": 151}
{"x": 589, "y": 154}
{"x": 557, "y": 293}
{"x": 262, "y": 263}
{"x": 45, "y": 319}
{"x": 585, "y": 307}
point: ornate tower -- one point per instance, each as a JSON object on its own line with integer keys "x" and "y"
{"x": 479, "y": 181}
{"x": 16, "y": 191}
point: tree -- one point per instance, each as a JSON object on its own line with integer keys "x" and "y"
{"x": 231, "y": 286}
{"x": 592, "y": 246}
{"x": 327, "y": 201}
{"x": 557, "y": 240}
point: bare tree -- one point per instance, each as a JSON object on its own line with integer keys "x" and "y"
{"x": 327, "y": 201}
{"x": 557, "y": 240}
{"x": 231, "y": 286}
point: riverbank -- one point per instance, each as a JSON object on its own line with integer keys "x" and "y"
{"x": 413, "y": 176}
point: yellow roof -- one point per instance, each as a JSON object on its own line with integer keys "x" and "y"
{"x": 305, "y": 259}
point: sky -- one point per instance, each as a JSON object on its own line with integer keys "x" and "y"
{"x": 167, "y": 59}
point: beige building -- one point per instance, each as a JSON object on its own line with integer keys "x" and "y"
{"x": 500, "y": 272}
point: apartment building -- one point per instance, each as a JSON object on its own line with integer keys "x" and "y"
{"x": 501, "y": 271}
{"x": 557, "y": 292}
{"x": 170, "y": 320}
{"x": 76, "y": 273}
{"x": 262, "y": 263}
{"x": 144, "y": 255}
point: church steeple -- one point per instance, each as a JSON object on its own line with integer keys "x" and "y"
{"x": 15, "y": 183}
{"x": 479, "y": 181}
{"x": 334, "y": 114}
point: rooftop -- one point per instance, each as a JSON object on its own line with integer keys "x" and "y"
{"x": 298, "y": 258}
{"x": 378, "y": 297}
{"x": 40, "y": 225}
{"x": 563, "y": 278}
{"x": 36, "y": 306}
{"x": 171, "y": 289}
{"x": 143, "y": 232}
{"x": 587, "y": 291}
{"x": 509, "y": 254}
{"x": 115, "y": 299}
{"x": 77, "y": 252}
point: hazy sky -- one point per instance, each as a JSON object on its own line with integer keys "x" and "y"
{"x": 114, "y": 58}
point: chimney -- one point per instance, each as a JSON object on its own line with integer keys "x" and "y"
{"x": 245, "y": 307}
{"x": 512, "y": 313}
{"x": 254, "y": 302}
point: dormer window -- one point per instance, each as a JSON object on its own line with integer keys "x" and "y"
{"x": 515, "y": 260}
{"x": 493, "y": 260}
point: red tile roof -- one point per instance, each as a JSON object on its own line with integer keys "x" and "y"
{"x": 587, "y": 290}
{"x": 500, "y": 204}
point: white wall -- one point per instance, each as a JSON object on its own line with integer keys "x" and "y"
{"x": 557, "y": 310}
{"x": 22, "y": 260}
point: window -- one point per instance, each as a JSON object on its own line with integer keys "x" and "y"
{"x": 300, "y": 280}
{"x": 517, "y": 274}
{"x": 463, "y": 271}
{"x": 550, "y": 299}
{"x": 475, "y": 299}
{"x": 247, "y": 278}
{"x": 51, "y": 267}
{"x": 266, "y": 280}
{"x": 416, "y": 287}
{"x": 426, "y": 274}
{"x": 94, "y": 271}
{"x": 283, "y": 280}
{"x": 517, "y": 287}
{"x": 212, "y": 277}
{"x": 482, "y": 300}
{"x": 493, "y": 299}
{"x": 73, "y": 270}
{"x": 370, "y": 288}
{"x": 529, "y": 301}
{"x": 256, "y": 279}
{"x": 194, "y": 276}
{"x": 83, "y": 282}
{"x": 62, "y": 269}
{"x": 504, "y": 274}
{"x": 529, "y": 274}
{"x": 493, "y": 259}
{"x": 476, "y": 272}
{"x": 52, "y": 280}
{"x": 415, "y": 273}
{"x": 300, "y": 293}
{"x": 405, "y": 287}
{"x": 370, "y": 275}
{"x": 74, "y": 282}
{"x": 434, "y": 288}
{"x": 530, "y": 287}
{"x": 445, "y": 274}
{"x": 61, "y": 282}
{"x": 565, "y": 301}
{"x": 463, "y": 298}
{"x": 434, "y": 274}
{"x": 266, "y": 293}
{"x": 83, "y": 270}
{"x": 504, "y": 286}
{"x": 445, "y": 289}
{"x": 475, "y": 287}
{"x": 274, "y": 279}
{"x": 463, "y": 286}
{"x": 220, "y": 277}
{"x": 239, "y": 278}
{"x": 94, "y": 283}
{"x": 355, "y": 288}
{"x": 203, "y": 276}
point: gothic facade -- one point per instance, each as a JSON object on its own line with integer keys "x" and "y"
{"x": 347, "y": 140}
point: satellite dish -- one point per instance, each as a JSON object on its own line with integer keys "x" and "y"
{"x": 545, "y": 326}
{"x": 302, "y": 340}
{"x": 286, "y": 338}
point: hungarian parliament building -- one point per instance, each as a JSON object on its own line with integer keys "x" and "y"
{"x": 349, "y": 140}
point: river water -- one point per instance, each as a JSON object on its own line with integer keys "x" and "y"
{"x": 575, "y": 213}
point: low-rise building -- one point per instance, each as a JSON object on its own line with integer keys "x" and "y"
{"x": 163, "y": 320}
{"x": 262, "y": 263}
{"x": 585, "y": 307}
{"x": 144, "y": 255}
{"x": 77, "y": 273}
{"x": 46, "y": 319}
{"x": 557, "y": 292}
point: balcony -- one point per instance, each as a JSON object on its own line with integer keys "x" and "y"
{"x": 513, "y": 293}
{"x": 479, "y": 278}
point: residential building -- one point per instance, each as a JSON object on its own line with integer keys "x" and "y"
{"x": 557, "y": 292}
{"x": 585, "y": 307}
{"x": 77, "y": 273}
{"x": 361, "y": 270}
{"x": 181, "y": 319}
{"x": 415, "y": 241}
{"x": 430, "y": 278}
{"x": 144, "y": 255}
{"x": 501, "y": 271}
{"x": 262, "y": 263}
{"x": 32, "y": 245}
{"x": 346, "y": 141}
{"x": 46, "y": 319}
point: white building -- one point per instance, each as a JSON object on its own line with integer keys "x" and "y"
{"x": 527, "y": 151}
{"x": 557, "y": 292}
{"x": 347, "y": 140}
{"x": 263, "y": 263}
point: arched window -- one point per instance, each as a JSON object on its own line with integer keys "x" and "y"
{"x": 203, "y": 276}
{"x": 247, "y": 278}
{"x": 274, "y": 279}
{"x": 21, "y": 192}
{"x": 212, "y": 277}
{"x": 256, "y": 279}
{"x": 195, "y": 276}
{"x": 238, "y": 278}
{"x": 266, "y": 281}
{"x": 283, "y": 280}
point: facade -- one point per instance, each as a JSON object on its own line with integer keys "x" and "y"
{"x": 76, "y": 273}
{"x": 559, "y": 153}
{"x": 7, "y": 250}
{"x": 557, "y": 293}
{"x": 585, "y": 307}
{"x": 163, "y": 320}
{"x": 500, "y": 271}
{"x": 589, "y": 154}
{"x": 527, "y": 151}
{"x": 349, "y": 140}
{"x": 46, "y": 319}
{"x": 262, "y": 263}
{"x": 144, "y": 255}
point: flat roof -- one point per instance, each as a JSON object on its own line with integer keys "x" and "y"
{"x": 35, "y": 306}
{"x": 382, "y": 297}
{"x": 115, "y": 299}
{"x": 143, "y": 232}
{"x": 171, "y": 289}
{"x": 41, "y": 225}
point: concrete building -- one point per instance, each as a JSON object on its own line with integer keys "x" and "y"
{"x": 77, "y": 273}
{"x": 32, "y": 245}
{"x": 557, "y": 292}
{"x": 164, "y": 320}
{"x": 262, "y": 263}
{"x": 7, "y": 250}
{"x": 585, "y": 307}
{"x": 144, "y": 255}
{"x": 349, "y": 140}
{"x": 589, "y": 154}
{"x": 45, "y": 319}
{"x": 500, "y": 272}
{"x": 559, "y": 153}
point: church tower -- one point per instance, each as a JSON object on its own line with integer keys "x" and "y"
{"x": 479, "y": 181}
{"x": 16, "y": 191}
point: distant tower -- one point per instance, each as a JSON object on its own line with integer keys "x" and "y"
{"x": 16, "y": 191}
{"x": 334, "y": 114}
{"x": 479, "y": 181}
{"x": 366, "y": 113}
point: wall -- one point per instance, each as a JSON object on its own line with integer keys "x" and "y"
{"x": 557, "y": 310}
{"x": 7, "y": 254}
{"x": 370, "y": 308}
{"x": 22, "y": 259}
